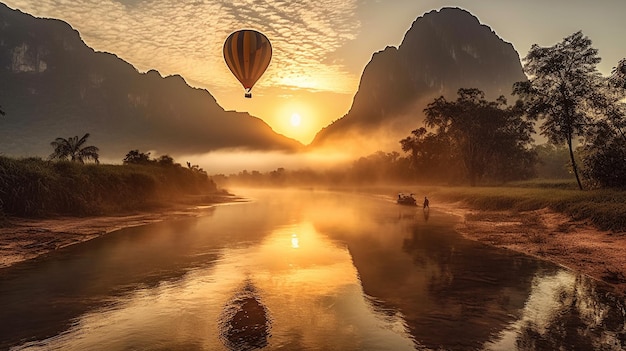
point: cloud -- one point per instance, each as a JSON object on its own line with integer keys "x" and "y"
{"x": 186, "y": 38}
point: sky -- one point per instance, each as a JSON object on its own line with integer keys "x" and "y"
{"x": 319, "y": 47}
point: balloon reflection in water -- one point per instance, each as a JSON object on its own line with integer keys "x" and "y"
{"x": 245, "y": 323}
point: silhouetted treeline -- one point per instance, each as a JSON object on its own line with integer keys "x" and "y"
{"x": 394, "y": 168}
{"x": 36, "y": 187}
{"x": 473, "y": 139}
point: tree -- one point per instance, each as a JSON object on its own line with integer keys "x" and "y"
{"x": 564, "y": 89}
{"x": 618, "y": 75}
{"x": 74, "y": 149}
{"x": 486, "y": 136}
{"x": 137, "y": 157}
{"x": 195, "y": 168}
{"x": 553, "y": 161}
{"x": 430, "y": 155}
{"x": 604, "y": 154}
{"x": 604, "y": 158}
{"x": 380, "y": 166}
{"x": 165, "y": 161}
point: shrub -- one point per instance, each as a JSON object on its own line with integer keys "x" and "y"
{"x": 34, "y": 187}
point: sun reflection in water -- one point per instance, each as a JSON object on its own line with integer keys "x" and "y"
{"x": 294, "y": 241}
{"x": 256, "y": 294}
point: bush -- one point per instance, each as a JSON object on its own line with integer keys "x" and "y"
{"x": 34, "y": 187}
{"x": 605, "y": 166}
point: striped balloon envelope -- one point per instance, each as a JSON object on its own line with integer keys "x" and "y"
{"x": 247, "y": 53}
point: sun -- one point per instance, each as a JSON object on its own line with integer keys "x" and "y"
{"x": 295, "y": 119}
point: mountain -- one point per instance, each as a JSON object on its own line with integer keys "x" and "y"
{"x": 52, "y": 85}
{"x": 442, "y": 51}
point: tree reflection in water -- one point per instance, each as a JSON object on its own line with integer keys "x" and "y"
{"x": 582, "y": 318}
{"x": 456, "y": 294}
{"x": 473, "y": 293}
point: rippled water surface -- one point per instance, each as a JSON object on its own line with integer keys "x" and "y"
{"x": 302, "y": 270}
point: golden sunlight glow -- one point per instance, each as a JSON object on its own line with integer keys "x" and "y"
{"x": 294, "y": 241}
{"x": 295, "y": 119}
{"x": 275, "y": 106}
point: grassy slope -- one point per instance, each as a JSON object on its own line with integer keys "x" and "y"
{"x": 605, "y": 208}
{"x": 33, "y": 187}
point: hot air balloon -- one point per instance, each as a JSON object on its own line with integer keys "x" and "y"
{"x": 247, "y": 53}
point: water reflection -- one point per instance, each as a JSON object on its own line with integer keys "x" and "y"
{"x": 302, "y": 271}
{"x": 295, "y": 243}
{"x": 245, "y": 321}
{"x": 565, "y": 311}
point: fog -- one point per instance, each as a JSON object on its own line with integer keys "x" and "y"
{"x": 234, "y": 161}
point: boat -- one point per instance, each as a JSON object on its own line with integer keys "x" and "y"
{"x": 406, "y": 199}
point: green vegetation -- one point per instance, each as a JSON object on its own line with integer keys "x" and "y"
{"x": 552, "y": 161}
{"x": 618, "y": 75}
{"x": 35, "y": 187}
{"x": 74, "y": 149}
{"x": 564, "y": 90}
{"x": 567, "y": 92}
{"x": 604, "y": 208}
{"x": 473, "y": 139}
{"x": 476, "y": 141}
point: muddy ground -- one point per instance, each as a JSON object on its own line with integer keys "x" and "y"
{"x": 551, "y": 236}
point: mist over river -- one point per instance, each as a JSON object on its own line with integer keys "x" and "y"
{"x": 302, "y": 270}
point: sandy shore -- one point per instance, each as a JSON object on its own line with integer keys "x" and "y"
{"x": 542, "y": 233}
{"x": 23, "y": 239}
{"x": 551, "y": 236}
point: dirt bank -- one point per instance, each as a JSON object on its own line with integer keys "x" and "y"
{"x": 23, "y": 239}
{"x": 543, "y": 233}
{"x": 551, "y": 236}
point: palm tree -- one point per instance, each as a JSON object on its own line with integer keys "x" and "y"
{"x": 74, "y": 149}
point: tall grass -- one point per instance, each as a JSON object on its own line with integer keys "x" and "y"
{"x": 34, "y": 187}
{"x": 604, "y": 208}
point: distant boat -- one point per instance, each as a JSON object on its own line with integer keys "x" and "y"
{"x": 406, "y": 199}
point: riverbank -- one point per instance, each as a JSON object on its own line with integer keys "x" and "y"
{"x": 22, "y": 239}
{"x": 548, "y": 235}
{"x": 541, "y": 233}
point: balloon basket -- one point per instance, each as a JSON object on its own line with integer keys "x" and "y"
{"x": 248, "y": 95}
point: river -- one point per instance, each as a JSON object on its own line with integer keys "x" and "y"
{"x": 302, "y": 270}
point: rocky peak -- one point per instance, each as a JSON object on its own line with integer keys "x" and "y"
{"x": 53, "y": 85}
{"x": 442, "y": 51}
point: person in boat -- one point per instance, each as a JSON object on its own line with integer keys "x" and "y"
{"x": 426, "y": 203}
